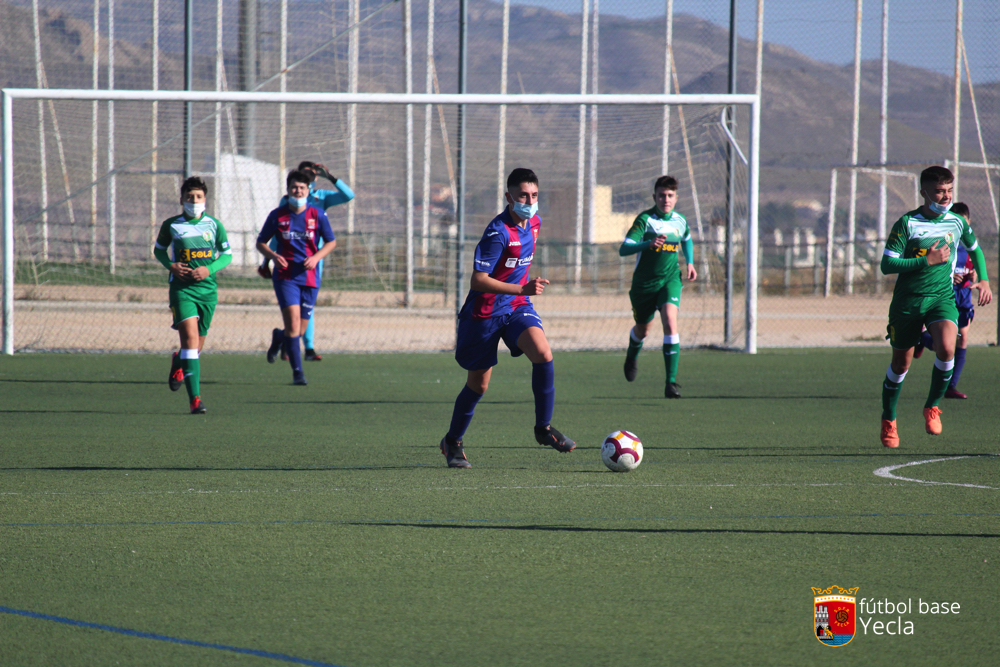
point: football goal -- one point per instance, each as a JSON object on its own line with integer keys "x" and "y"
{"x": 89, "y": 175}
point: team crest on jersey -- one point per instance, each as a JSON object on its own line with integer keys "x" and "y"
{"x": 207, "y": 236}
{"x": 949, "y": 237}
{"x": 834, "y": 615}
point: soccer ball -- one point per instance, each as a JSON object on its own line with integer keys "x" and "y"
{"x": 621, "y": 451}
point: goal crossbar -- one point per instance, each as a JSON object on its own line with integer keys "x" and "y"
{"x": 8, "y": 95}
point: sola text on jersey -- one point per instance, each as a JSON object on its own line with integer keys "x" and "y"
{"x": 898, "y": 626}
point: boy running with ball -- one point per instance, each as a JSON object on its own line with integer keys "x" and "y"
{"x": 921, "y": 249}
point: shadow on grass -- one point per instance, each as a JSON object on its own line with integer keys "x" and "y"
{"x": 414, "y": 466}
{"x": 667, "y": 531}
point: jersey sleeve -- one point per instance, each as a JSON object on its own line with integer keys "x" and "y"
{"x": 896, "y": 243}
{"x": 633, "y": 242}
{"x": 968, "y": 236}
{"x": 325, "y": 230}
{"x": 341, "y": 195}
{"x": 270, "y": 227}
{"x": 222, "y": 239}
{"x": 489, "y": 249}
{"x": 163, "y": 238}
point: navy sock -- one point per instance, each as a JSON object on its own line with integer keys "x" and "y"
{"x": 959, "y": 364}
{"x": 465, "y": 407}
{"x": 294, "y": 351}
{"x": 543, "y": 385}
{"x": 926, "y": 340}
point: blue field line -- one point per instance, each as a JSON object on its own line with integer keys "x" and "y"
{"x": 164, "y": 638}
{"x": 377, "y": 522}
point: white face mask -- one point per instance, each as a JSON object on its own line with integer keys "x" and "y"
{"x": 938, "y": 208}
{"x": 524, "y": 211}
{"x": 194, "y": 209}
{"x": 296, "y": 202}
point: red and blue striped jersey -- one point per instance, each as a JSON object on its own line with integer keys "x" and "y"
{"x": 505, "y": 253}
{"x": 298, "y": 235}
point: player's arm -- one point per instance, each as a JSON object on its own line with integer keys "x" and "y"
{"x": 327, "y": 242}
{"x": 978, "y": 264}
{"x": 266, "y": 234}
{"x": 343, "y": 193}
{"x": 687, "y": 245}
{"x": 224, "y": 259}
{"x": 180, "y": 270}
{"x": 633, "y": 242}
{"x": 483, "y": 282}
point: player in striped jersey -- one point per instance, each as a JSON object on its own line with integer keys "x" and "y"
{"x": 200, "y": 250}
{"x": 499, "y": 307}
{"x": 921, "y": 249}
{"x": 298, "y": 227}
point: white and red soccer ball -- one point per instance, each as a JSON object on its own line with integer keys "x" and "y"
{"x": 621, "y": 451}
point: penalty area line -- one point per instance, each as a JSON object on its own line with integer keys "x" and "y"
{"x": 887, "y": 472}
{"x": 164, "y": 638}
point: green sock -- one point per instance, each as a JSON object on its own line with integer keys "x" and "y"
{"x": 634, "y": 348}
{"x": 892, "y": 385}
{"x": 192, "y": 376}
{"x": 671, "y": 355}
{"x": 940, "y": 378}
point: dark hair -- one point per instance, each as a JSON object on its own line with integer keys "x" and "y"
{"x": 296, "y": 176}
{"x": 668, "y": 182}
{"x": 521, "y": 175}
{"x": 935, "y": 176}
{"x": 962, "y": 209}
{"x": 306, "y": 164}
{"x": 193, "y": 183}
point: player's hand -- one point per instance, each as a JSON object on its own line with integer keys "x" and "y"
{"x": 985, "y": 293}
{"x": 692, "y": 274}
{"x": 659, "y": 241}
{"x": 281, "y": 261}
{"x": 181, "y": 271}
{"x": 534, "y": 286}
{"x": 264, "y": 270}
{"x": 200, "y": 273}
{"x": 325, "y": 173}
{"x": 310, "y": 263}
{"x": 938, "y": 255}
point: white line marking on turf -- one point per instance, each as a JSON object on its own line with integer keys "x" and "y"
{"x": 886, "y": 472}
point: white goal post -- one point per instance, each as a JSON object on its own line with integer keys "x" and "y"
{"x": 749, "y": 105}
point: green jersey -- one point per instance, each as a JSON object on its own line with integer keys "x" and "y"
{"x": 195, "y": 243}
{"x": 912, "y": 236}
{"x": 654, "y": 267}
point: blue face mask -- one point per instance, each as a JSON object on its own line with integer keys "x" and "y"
{"x": 296, "y": 202}
{"x": 938, "y": 209}
{"x": 524, "y": 211}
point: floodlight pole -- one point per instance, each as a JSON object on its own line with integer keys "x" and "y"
{"x": 463, "y": 47}
{"x": 730, "y": 181}
{"x": 188, "y": 81}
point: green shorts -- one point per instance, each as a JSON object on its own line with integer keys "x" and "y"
{"x": 909, "y": 317}
{"x": 183, "y": 307}
{"x": 645, "y": 304}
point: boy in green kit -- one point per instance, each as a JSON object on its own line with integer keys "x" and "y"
{"x": 921, "y": 249}
{"x": 656, "y": 236}
{"x": 200, "y": 249}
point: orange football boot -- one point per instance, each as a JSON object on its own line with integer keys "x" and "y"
{"x": 889, "y": 436}
{"x": 932, "y": 417}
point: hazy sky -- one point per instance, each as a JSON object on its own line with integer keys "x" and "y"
{"x": 921, "y": 32}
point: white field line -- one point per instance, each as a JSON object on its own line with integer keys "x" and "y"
{"x": 886, "y": 472}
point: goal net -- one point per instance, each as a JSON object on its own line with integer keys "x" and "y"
{"x": 88, "y": 183}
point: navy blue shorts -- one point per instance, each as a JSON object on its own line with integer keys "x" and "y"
{"x": 965, "y": 316}
{"x": 292, "y": 294}
{"x": 476, "y": 347}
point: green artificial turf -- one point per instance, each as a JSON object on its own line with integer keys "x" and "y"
{"x": 320, "y": 523}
